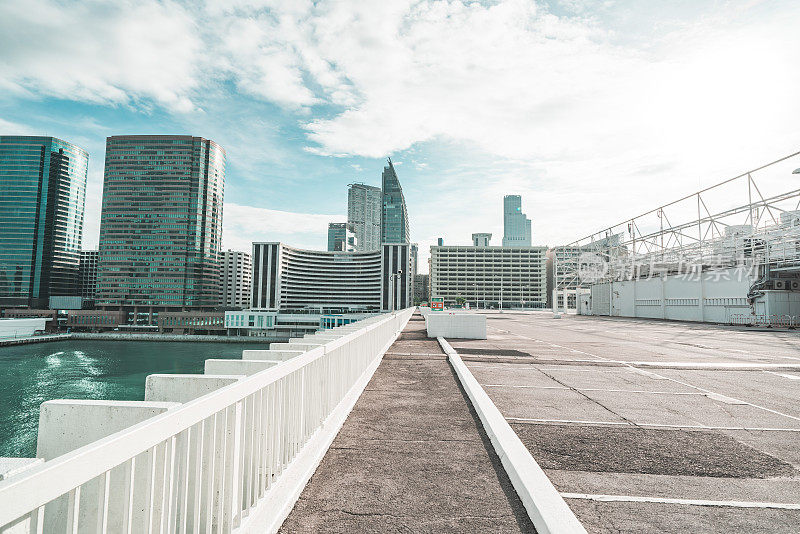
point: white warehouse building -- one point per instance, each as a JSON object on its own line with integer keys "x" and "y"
{"x": 486, "y": 276}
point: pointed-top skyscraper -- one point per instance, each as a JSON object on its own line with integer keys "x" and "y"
{"x": 394, "y": 215}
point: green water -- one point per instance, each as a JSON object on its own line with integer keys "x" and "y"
{"x": 77, "y": 369}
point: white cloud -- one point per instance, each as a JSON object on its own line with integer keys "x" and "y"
{"x": 588, "y": 121}
{"x": 245, "y": 224}
{"x": 100, "y": 52}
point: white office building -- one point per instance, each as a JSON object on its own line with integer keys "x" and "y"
{"x": 364, "y": 215}
{"x": 488, "y": 277}
{"x": 290, "y": 280}
{"x": 236, "y": 273}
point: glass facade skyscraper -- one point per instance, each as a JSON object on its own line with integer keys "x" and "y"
{"x": 42, "y": 198}
{"x": 364, "y": 215}
{"x": 516, "y": 226}
{"x": 161, "y": 224}
{"x": 394, "y": 215}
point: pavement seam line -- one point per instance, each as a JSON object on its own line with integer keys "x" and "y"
{"x": 691, "y": 502}
{"x": 546, "y": 508}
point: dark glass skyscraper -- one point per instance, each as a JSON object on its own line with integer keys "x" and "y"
{"x": 42, "y": 198}
{"x": 161, "y": 224}
{"x": 394, "y": 215}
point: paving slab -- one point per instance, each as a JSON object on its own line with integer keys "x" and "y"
{"x": 411, "y": 457}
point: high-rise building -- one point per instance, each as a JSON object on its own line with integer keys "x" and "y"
{"x": 161, "y": 225}
{"x": 480, "y": 240}
{"x": 42, "y": 196}
{"x": 516, "y": 226}
{"x": 341, "y": 238}
{"x": 364, "y": 215}
{"x": 236, "y": 279}
{"x": 88, "y": 274}
{"x": 394, "y": 215}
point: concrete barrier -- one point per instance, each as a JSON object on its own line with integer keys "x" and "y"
{"x": 66, "y": 425}
{"x": 183, "y": 388}
{"x": 545, "y": 505}
{"x": 273, "y": 355}
{"x": 456, "y": 325}
{"x": 237, "y": 367}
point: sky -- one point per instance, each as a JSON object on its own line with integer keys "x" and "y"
{"x": 593, "y": 111}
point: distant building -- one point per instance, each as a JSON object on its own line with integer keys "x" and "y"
{"x": 192, "y": 323}
{"x": 42, "y": 197}
{"x": 489, "y": 276}
{"x": 161, "y": 225}
{"x": 481, "y": 240}
{"x": 394, "y": 215}
{"x": 516, "y": 226}
{"x": 88, "y": 274}
{"x": 440, "y": 241}
{"x": 305, "y": 281}
{"x": 364, "y": 215}
{"x": 236, "y": 279}
{"x": 341, "y": 238}
{"x": 421, "y": 288}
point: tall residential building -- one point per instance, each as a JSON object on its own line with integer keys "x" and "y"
{"x": 513, "y": 277}
{"x": 88, "y": 274}
{"x": 341, "y": 238}
{"x": 236, "y": 279}
{"x": 516, "y": 226}
{"x": 161, "y": 224}
{"x": 42, "y": 196}
{"x": 394, "y": 215}
{"x": 364, "y": 215}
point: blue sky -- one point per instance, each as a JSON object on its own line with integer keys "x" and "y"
{"x": 593, "y": 111}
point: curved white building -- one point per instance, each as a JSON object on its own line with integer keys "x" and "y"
{"x": 287, "y": 278}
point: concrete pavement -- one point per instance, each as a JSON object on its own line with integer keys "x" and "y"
{"x": 650, "y": 426}
{"x": 411, "y": 457}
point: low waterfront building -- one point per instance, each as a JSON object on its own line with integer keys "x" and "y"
{"x": 94, "y": 320}
{"x": 511, "y": 277}
{"x": 16, "y": 328}
{"x": 51, "y": 316}
{"x": 192, "y": 322}
{"x": 290, "y": 279}
{"x": 236, "y": 275}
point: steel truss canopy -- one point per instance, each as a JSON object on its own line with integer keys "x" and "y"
{"x": 752, "y": 220}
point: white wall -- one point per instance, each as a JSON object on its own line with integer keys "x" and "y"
{"x": 21, "y": 327}
{"x": 713, "y": 297}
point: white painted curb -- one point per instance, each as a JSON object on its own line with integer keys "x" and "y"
{"x": 544, "y": 504}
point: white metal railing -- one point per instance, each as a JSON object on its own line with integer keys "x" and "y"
{"x": 203, "y": 466}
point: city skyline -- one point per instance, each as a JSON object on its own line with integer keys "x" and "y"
{"x": 299, "y": 107}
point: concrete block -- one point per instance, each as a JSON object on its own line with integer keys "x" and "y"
{"x": 305, "y": 346}
{"x": 183, "y": 388}
{"x": 10, "y": 467}
{"x": 237, "y": 367}
{"x": 65, "y": 425}
{"x": 281, "y": 355}
{"x": 456, "y": 325}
